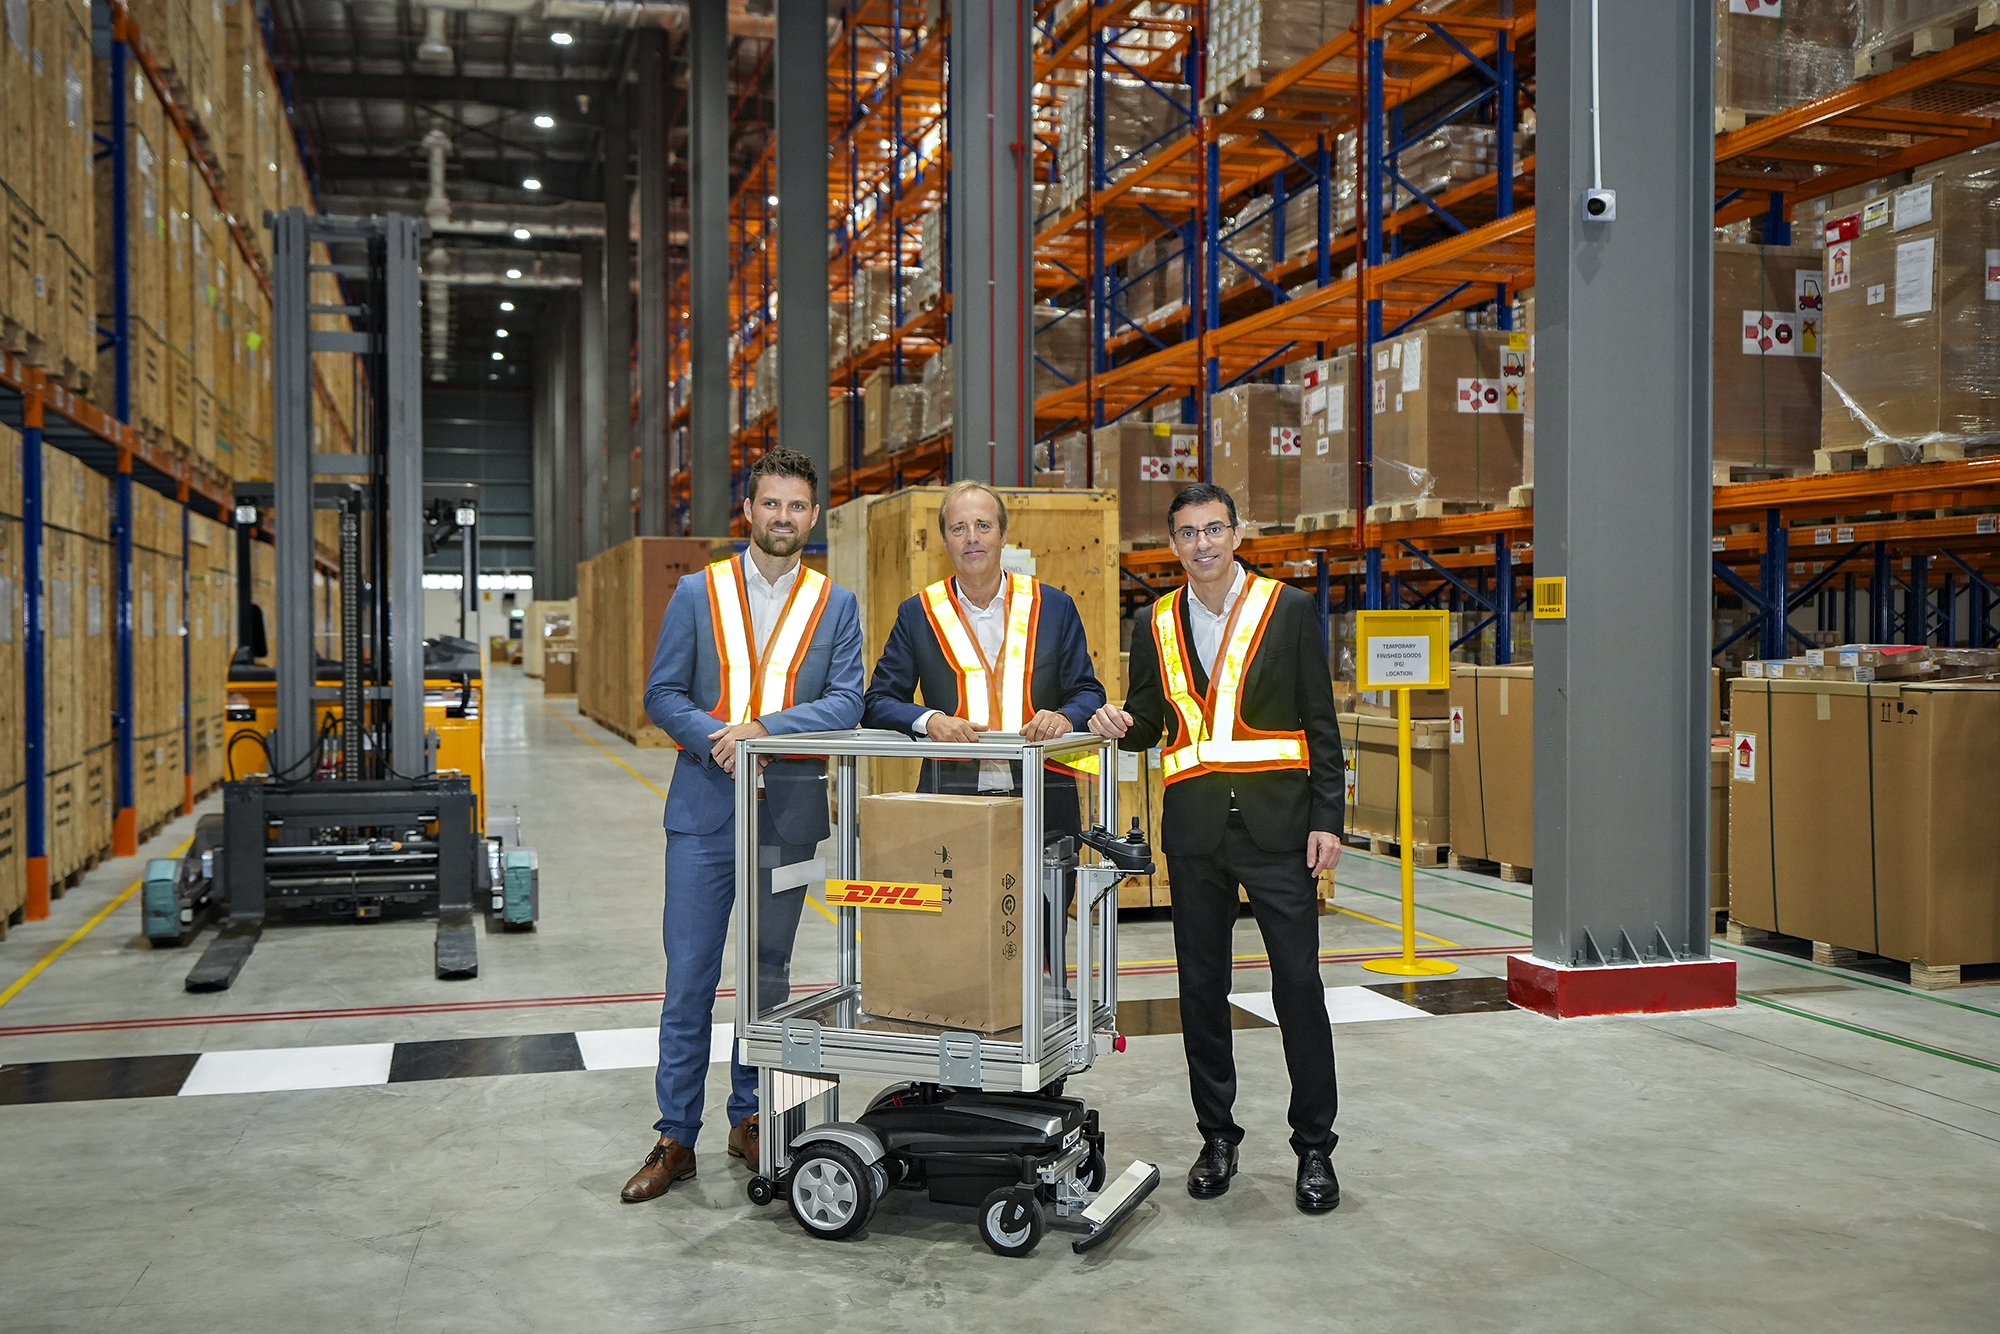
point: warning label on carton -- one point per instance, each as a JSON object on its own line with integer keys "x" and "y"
{"x": 1285, "y": 441}
{"x": 1777, "y": 333}
{"x": 1993, "y": 275}
{"x": 1843, "y": 228}
{"x": 1743, "y": 750}
{"x": 1457, "y": 727}
{"x": 1839, "y": 266}
{"x": 1482, "y": 395}
{"x": 1758, "y": 9}
{"x": 1806, "y": 292}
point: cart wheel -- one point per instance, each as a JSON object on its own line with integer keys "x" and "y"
{"x": 1094, "y": 1174}
{"x": 1012, "y": 1221}
{"x": 832, "y": 1194}
{"x": 761, "y": 1191}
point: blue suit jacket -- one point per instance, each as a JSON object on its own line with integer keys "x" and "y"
{"x": 686, "y": 682}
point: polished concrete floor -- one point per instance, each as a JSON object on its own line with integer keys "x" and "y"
{"x": 1827, "y": 1155}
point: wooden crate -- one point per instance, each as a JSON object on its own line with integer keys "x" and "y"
{"x": 621, "y": 595}
{"x": 211, "y": 619}
{"x": 13, "y": 853}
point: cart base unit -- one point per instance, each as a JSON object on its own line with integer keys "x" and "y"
{"x": 1017, "y": 1158}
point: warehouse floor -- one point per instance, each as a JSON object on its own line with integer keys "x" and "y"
{"x": 1828, "y": 1147}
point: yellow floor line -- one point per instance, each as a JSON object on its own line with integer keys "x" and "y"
{"x": 818, "y": 907}
{"x": 1394, "y": 926}
{"x": 82, "y": 931}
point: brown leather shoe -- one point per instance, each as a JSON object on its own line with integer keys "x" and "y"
{"x": 670, "y": 1161}
{"x": 743, "y": 1140}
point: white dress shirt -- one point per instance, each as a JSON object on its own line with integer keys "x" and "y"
{"x": 767, "y": 599}
{"x": 1208, "y": 625}
{"x": 989, "y": 627}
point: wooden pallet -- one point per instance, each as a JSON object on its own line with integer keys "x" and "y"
{"x": 1406, "y": 510}
{"x": 1923, "y": 976}
{"x": 1728, "y": 474}
{"x": 1952, "y": 451}
{"x": 1721, "y": 922}
{"x": 1517, "y": 875}
{"x": 1476, "y": 865}
{"x": 646, "y": 738}
{"x": 1422, "y": 854}
{"x": 1521, "y": 497}
{"x": 1888, "y": 454}
{"x": 1325, "y": 521}
{"x": 1941, "y": 33}
{"x": 1842, "y": 458}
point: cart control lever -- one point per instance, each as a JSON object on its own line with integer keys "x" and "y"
{"x": 1129, "y": 853}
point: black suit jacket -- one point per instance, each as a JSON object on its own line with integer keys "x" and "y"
{"x": 1287, "y": 687}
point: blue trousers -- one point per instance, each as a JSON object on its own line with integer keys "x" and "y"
{"x": 701, "y": 891}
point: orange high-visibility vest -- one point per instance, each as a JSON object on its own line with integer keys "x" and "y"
{"x": 755, "y": 684}
{"x": 994, "y": 695}
{"x": 1213, "y": 736}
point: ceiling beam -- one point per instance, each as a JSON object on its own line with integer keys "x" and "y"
{"x": 555, "y": 97}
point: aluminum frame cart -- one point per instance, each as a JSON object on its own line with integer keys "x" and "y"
{"x": 977, "y": 1119}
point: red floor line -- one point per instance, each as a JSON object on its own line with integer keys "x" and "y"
{"x": 553, "y": 1002}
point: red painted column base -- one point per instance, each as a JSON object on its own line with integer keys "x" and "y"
{"x": 125, "y": 833}
{"x": 187, "y": 794}
{"x": 36, "y": 907}
{"x": 1641, "y": 988}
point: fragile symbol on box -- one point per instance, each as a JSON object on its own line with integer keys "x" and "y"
{"x": 1744, "y": 752}
{"x": 1457, "y": 726}
{"x": 1156, "y": 469}
{"x": 1481, "y": 395}
{"x": 1776, "y": 333}
{"x": 1839, "y": 267}
{"x": 1285, "y": 441}
{"x": 1762, "y": 9}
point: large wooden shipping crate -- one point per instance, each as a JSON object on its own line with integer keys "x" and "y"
{"x": 159, "y": 669}
{"x": 79, "y": 564}
{"x": 211, "y": 621}
{"x": 546, "y": 620}
{"x": 621, "y": 594}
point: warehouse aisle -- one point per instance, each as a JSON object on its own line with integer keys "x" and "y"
{"x": 431, "y": 1191}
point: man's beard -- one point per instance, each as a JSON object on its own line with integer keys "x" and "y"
{"x": 780, "y": 545}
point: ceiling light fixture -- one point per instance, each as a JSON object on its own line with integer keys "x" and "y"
{"x": 513, "y": 273}
{"x": 499, "y": 333}
{"x": 772, "y": 200}
{"x": 561, "y": 38}
{"x": 531, "y": 184}
{"x": 506, "y": 305}
{"x": 520, "y": 233}
{"x": 545, "y": 122}
{"x": 499, "y": 356}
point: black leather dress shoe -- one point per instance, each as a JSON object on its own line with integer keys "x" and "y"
{"x": 1318, "y": 1189}
{"x": 1209, "y": 1177}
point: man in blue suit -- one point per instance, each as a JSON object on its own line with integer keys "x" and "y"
{"x": 993, "y": 651}
{"x": 751, "y": 647}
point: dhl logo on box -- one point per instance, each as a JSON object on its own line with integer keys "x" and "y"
{"x": 884, "y": 894}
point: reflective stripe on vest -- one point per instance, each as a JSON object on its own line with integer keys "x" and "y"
{"x": 999, "y": 700}
{"x": 756, "y": 684}
{"x": 1214, "y": 737}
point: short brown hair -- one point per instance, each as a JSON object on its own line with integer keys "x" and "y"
{"x": 957, "y": 489}
{"x": 782, "y": 462}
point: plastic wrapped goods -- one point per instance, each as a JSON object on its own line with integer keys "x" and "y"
{"x": 1246, "y": 234}
{"x": 1926, "y": 25}
{"x": 1770, "y": 57}
{"x": 1326, "y": 415}
{"x": 1251, "y": 40}
{"x": 1769, "y": 331}
{"x": 938, "y": 393}
{"x": 906, "y": 416}
{"x": 1913, "y": 307}
{"x": 836, "y": 331}
{"x": 1139, "y": 117}
{"x": 1062, "y": 340}
{"x": 1448, "y": 404}
{"x": 1255, "y": 450}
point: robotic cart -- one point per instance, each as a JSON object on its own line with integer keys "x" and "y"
{"x": 975, "y": 1118}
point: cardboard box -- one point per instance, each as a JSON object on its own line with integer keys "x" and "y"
{"x": 1448, "y": 416}
{"x": 1256, "y": 448}
{"x": 1154, "y": 460}
{"x": 1911, "y": 363}
{"x": 875, "y": 413}
{"x": 1493, "y": 763}
{"x": 559, "y": 667}
{"x": 1326, "y": 413}
{"x": 1718, "y": 822}
{"x": 960, "y": 967}
{"x": 1860, "y": 815}
{"x": 1769, "y": 332}
{"x": 1368, "y": 749}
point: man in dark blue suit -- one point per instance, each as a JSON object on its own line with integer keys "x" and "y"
{"x": 992, "y": 651}
{"x": 754, "y": 646}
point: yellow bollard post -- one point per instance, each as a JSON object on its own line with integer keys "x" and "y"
{"x": 1409, "y": 965}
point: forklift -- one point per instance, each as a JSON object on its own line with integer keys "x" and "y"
{"x": 355, "y": 787}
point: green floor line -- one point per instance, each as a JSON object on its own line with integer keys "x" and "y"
{"x": 1439, "y": 875}
{"x": 1398, "y": 898}
{"x": 1857, "y": 978}
{"x": 1872, "y": 1033}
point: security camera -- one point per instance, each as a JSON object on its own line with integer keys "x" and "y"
{"x": 1600, "y": 206}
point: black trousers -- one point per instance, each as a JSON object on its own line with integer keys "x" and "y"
{"x": 1284, "y": 898}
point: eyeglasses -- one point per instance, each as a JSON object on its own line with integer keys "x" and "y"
{"x": 1213, "y": 533}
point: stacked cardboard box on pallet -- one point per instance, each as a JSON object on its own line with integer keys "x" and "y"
{"x": 621, "y": 596}
{"x": 79, "y": 584}
{"x": 1448, "y": 404}
{"x": 211, "y": 618}
{"x": 13, "y": 771}
{"x": 1251, "y": 40}
{"x": 1492, "y": 730}
{"x": 1255, "y": 451}
{"x": 1771, "y": 57}
{"x": 1326, "y": 460}
{"x": 160, "y": 687}
{"x": 1769, "y": 340}
{"x": 1861, "y": 814}
{"x": 1909, "y": 297}
{"x": 1368, "y": 747}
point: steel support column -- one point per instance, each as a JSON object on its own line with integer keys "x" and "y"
{"x": 596, "y": 482}
{"x": 802, "y": 204}
{"x": 34, "y": 660}
{"x": 992, "y": 145}
{"x": 708, "y": 265}
{"x": 652, "y": 143}
{"x": 125, "y": 818}
{"x": 400, "y": 322}
{"x": 292, "y": 491}
{"x": 1621, "y": 849}
{"x": 618, "y": 518}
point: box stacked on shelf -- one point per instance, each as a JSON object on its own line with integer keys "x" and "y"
{"x": 1150, "y": 461}
{"x": 160, "y": 688}
{"x": 1139, "y": 117}
{"x": 1368, "y": 747}
{"x": 1251, "y": 40}
{"x": 927, "y": 284}
{"x": 1255, "y": 450}
{"x": 1447, "y": 156}
{"x": 1326, "y": 460}
{"x": 79, "y": 588}
{"x": 1492, "y": 730}
{"x": 1448, "y": 416}
{"x": 1887, "y": 31}
{"x": 1062, "y": 347}
{"x": 1771, "y": 57}
{"x": 211, "y": 620}
{"x": 938, "y": 396}
{"x": 1911, "y": 360}
{"x": 903, "y": 425}
{"x": 1770, "y": 335}
{"x": 13, "y": 770}
{"x": 49, "y": 241}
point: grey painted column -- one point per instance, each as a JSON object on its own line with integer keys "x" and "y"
{"x": 991, "y": 274}
{"x": 292, "y": 480}
{"x": 708, "y": 264}
{"x": 403, "y": 357}
{"x": 651, "y": 143}
{"x": 802, "y": 269}
{"x": 617, "y": 317}
{"x": 1622, "y": 486}
{"x": 593, "y": 408}
{"x": 561, "y": 316}
{"x": 551, "y": 578}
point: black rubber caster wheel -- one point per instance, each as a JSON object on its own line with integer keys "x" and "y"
{"x": 1012, "y": 1221}
{"x": 761, "y": 1191}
